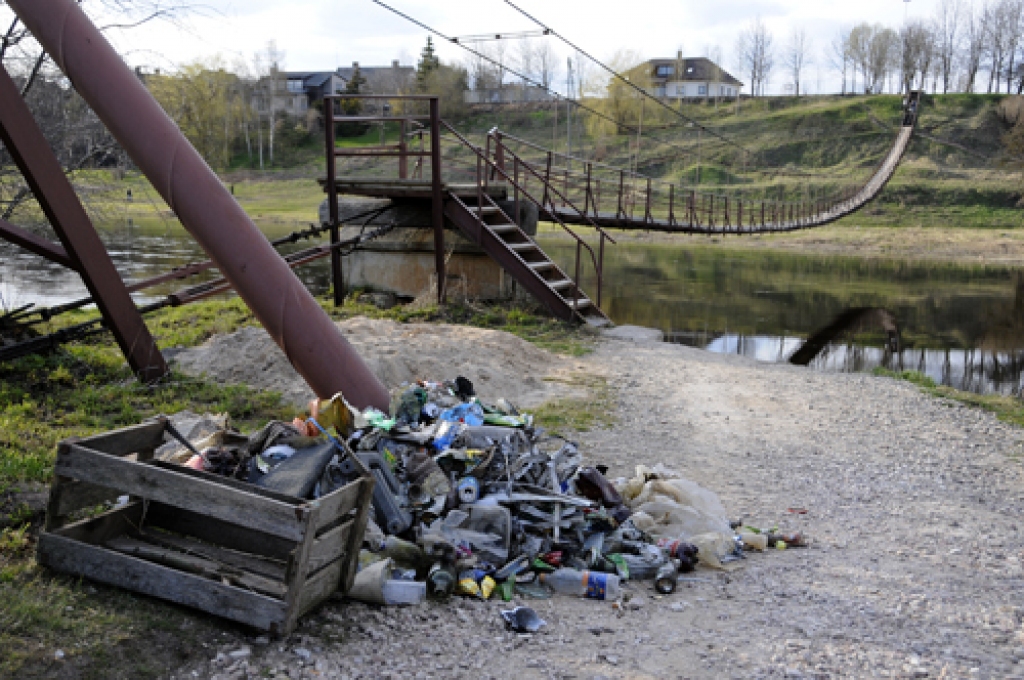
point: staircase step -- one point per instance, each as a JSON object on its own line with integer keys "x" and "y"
{"x": 558, "y": 285}
{"x": 503, "y": 228}
{"x": 540, "y": 266}
{"x": 485, "y": 210}
{"x": 582, "y": 303}
{"x": 525, "y": 245}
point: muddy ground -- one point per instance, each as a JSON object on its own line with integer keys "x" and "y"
{"x": 914, "y": 505}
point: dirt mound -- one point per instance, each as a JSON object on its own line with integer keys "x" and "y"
{"x": 498, "y": 363}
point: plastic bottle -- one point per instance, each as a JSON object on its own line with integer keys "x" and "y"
{"x": 590, "y": 584}
{"x": 440, "y": 581}
{"x": 665, "y": 581}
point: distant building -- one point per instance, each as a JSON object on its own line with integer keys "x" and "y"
{"x": 296, "y": 92}
{"x": 381, "y": 79}
{"x": 511, "y": 93}
{"x": 690, "y": 78}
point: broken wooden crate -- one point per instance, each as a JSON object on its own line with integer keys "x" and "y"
{"x": 221, "y": 545}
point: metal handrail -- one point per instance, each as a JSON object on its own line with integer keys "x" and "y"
{"x": 483, "y": 156}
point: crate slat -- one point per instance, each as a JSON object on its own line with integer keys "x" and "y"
{"x": 168, "y": 486}
{"x": 100, "y": 564}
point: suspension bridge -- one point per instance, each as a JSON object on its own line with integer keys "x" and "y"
{"x": 479, "y": 188}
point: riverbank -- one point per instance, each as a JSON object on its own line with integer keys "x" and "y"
{"x": 1002, "y": 244}
{"x": 912, "y": 503}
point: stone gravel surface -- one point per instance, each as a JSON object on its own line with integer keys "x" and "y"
{"x": 913, "y": 504}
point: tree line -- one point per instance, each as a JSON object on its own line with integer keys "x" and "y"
{"x": 962, "y": 47}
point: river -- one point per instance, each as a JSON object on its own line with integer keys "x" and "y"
{"x": 962, "y": 325}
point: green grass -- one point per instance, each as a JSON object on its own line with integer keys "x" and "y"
{"x": 1007, "y": 409}
{"x": 85, "y": 389}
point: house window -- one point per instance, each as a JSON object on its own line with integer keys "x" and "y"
{"x": 295, "y": 85}
{"x": 663, "y": 71}
{"x": 702, "y": 89}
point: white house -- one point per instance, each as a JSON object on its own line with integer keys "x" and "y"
{"x": 691, "y": 78}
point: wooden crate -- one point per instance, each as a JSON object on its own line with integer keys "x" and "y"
{"x": 217, "y": 544}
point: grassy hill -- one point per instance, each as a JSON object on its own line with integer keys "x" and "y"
{"x": 810, "y": 148}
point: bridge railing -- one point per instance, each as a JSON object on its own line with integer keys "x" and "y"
{"x": 615, "y": 195}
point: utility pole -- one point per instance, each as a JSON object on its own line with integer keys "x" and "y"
{"x": 568, "y": 114}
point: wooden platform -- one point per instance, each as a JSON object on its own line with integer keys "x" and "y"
{"x": 411, "y": 188}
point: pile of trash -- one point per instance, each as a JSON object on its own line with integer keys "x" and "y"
{"x": 473, "y": 498}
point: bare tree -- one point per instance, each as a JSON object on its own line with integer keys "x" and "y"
{"x": 1012, "y": 17}
{"x": 546, "y": 63}
{"x": 76, "y": 135}
{"x": 754, "y": 51}
{"x": 976, "y": 26}
{"x": 916, "y": 54}
{"x": 883, "y": 54}
{"x": 797, "y": 53}
{"x": 947, "y": 33}
{"x": 526, "y": 59}
{"x": 839, "y": 54}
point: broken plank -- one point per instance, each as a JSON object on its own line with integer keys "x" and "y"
{"x": 125, "y": 571}
{"x": 212, "y": 530}
{"x": 196, "y": 564}
{"x": 257, "y": 564}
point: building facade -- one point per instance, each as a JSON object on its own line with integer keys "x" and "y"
{"x": 690, "y": 78}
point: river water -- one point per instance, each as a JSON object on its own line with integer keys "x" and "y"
{"x": 962, "y": 325}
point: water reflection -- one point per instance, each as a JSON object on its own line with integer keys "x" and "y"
{"x": 973, "y": 370}
{"x": 139, "y": 250}
{"x": 962, "y": 325}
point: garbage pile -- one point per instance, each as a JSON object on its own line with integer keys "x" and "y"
{"x": 473, "y": 498}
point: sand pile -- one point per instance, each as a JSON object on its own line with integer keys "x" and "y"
{"x": 498, "y": 363}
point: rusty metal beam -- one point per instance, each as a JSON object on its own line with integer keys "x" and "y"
{"x": 36, "y": 244}
{"x": 312, "y": 343}
{"x": 33, "y": 156}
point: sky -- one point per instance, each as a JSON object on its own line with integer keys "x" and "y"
{"x": 323, "y": 34}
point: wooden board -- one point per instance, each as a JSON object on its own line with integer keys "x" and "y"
{"x": 339, "y": 503}
{"x": 144, "y": 437}
{"x": 320, "y": 587}
{"x": 107, "y": 566}
{"x": 169, "y": 486}
{"x": 102, "y": 528}
{"x": 219, "y": 532}
{"x": 256, "y": 564}
{"x": 191, "y": 563}
{"x": 330, "y": 547}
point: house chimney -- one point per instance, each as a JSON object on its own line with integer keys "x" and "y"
{"x": 355, "y": 64}
{"x": 394, "y": 63}
{"x": 679, "y": 55}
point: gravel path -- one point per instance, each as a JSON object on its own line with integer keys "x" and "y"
{"x": 913, "y": 504}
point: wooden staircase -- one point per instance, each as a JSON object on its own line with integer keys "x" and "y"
{"x": 484, "y": 223}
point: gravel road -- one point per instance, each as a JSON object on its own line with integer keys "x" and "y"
{"x": 913, "y": 503}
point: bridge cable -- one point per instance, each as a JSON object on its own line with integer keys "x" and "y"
{"x": 525, "y": 77}
{"x": 624, "y": 79}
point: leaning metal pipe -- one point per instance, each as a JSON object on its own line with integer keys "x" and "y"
{"x": 312, "y": 343}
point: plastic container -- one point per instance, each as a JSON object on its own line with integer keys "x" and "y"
{"x": 404, "y": 592}
{"x": 592, "y": 584}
